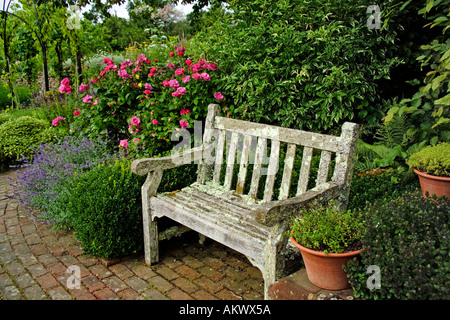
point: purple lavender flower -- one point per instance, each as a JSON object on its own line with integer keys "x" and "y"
{"x": 41, "y": 183}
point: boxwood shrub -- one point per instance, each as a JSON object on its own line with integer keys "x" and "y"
{"x": 105, "y": 210}
{"x": 18, "y": 137}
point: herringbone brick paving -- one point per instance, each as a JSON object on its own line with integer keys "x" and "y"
{"x": 34, "y": 262}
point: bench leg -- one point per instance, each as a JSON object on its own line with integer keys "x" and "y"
{"x": 274, "y": 259}
{"x": 151, "y": 241}
{"x": 150, "y": 223}
{"x": 269, "y": 269}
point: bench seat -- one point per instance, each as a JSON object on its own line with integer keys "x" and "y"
{"x": 224, "y": 217}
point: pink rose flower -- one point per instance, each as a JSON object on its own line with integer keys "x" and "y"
{"x": 107, "y": 61}
{"x": 185, "y": 111}
{"x": 188, "y": 62}
{"x": 65, "y": 87}
{"x": 171, "y": 65}
{"x": 76, "y": 113}
{"x": 135, "y": 121}
{"x": 84, "y": 87}
{"x": 147, "y": 91}
{"x": 171, "y": 54}
{"x": 56, "y": 121}
{"x": 184, "y": 124}
{"x": 186, "y": 79}
{"x": 147, "y": 86}
{"x": 179, "y": 92}
{"x": 211, "y": 66}
{"x": 124, "y": 74}
{"x": 123, "y": 143}
{"x": 218, "y": 96}
{"x": 179, "y": 71}
{"x": 154, "y": 121}
{"x": 205, "y": 76}
{"x": 87, "y": 99}
{"x": 174, "y": 83}
{"x": 126, "y": 63}
{"x": 65, "y": 81}
{"x": 196, "y": 76}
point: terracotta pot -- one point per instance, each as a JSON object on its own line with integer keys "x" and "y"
{"x": 325, "y": 270}
{"x": 433, "y": 184}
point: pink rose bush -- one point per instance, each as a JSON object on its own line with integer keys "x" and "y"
{"x": 137, "y": 105}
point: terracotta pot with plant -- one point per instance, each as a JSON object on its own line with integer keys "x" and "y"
{"x": 432, "y": 165}
{"x": 327, "y": 239}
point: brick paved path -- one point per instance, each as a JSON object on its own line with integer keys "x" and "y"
{"x": 34, "y": 262}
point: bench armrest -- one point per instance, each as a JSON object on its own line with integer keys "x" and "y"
{"x": 273, "y": 212}
{"x": 146, "y": 165}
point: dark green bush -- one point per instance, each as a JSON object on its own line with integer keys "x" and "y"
{"x": 387, "y": 185}
{"x": 408, "y": 239}
{"x": 304, "y": 64}
{"x": 18, "y": 137}
{"x": 105, "y": 210}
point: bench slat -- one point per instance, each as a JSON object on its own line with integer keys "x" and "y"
{"x": 244, "y": 165}
{"x": 221, "y": 211}
{"x": 299, "y": 137}
{"x": 260, "y": 152}
{"x": 304, "y": 171}
{"x": 219, "y": 155}
{"x": 272, "y": 169}
{"x": 324, "y": 167}
{"x": 231, "y": 156}
{"x": 287, "y": 171}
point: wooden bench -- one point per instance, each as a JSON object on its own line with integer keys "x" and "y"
{"x": 253, "y": 227}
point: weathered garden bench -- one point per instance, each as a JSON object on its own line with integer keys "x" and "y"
{"x": 252, "y": 227}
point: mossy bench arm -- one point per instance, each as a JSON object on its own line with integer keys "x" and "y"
{"x": 224, "y": 203}
{"x": 271, "y": 213}
{"x": 146, "y": 165}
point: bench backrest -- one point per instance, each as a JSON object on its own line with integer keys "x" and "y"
{"x": 245, "y": 144}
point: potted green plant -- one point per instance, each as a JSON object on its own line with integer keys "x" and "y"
{"x": 327, "y": 239}
{"x": 432, "y": 165}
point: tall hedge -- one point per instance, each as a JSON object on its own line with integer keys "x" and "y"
{"x": 306, "y": 64}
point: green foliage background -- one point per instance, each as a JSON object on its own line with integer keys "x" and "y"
{"x": 308, "y": 65}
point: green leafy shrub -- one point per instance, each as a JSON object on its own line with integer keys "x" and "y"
{"x": 105, "y": 210}
{"x": 386, "y": 185}
{"x": 408, "y": 239}
{"x": 18, "y": 137}
{"x": 428, "y": 109}
{"x": 434, "y": 160}
{"x": 23, "y": 95}
{"x": 324, "y": 228}
{"x": 307, "y": 65}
